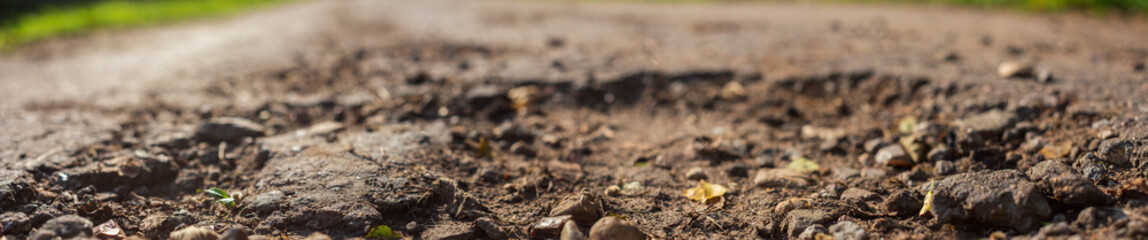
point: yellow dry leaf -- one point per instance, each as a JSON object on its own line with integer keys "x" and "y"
{"x": 913, "y": 148}
{"x": 484, "y": 148}
{"x": 704, "y": 192}
{"x": 1057, "y": 150}
{"x": 906, "y": 125}
{"x": 928, "y": 203}
{"x": 802, "y": 164}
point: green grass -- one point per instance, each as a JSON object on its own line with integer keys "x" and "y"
{"x": 114, "y": 14}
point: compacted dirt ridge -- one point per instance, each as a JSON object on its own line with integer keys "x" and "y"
{"x": 547, "y": 120}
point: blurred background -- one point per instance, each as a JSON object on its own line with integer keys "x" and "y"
{"x": 23, "y": 21}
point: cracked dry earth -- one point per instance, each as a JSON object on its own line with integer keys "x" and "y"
{"x": 547, "y": 120}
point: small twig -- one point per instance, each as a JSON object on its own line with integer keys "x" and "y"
{"x": 222, "y": 151}
{"x": 48, "y": 153}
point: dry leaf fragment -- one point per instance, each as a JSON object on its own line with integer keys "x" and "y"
{"x": 912, "y": 147}
{"x": 733, "y": 90}
{"x": 928, "y": 203}
{"x": 906, "y": 125}
{"x": 802, "y": 164}
{"x": 484, "y": 148}
{"x": 704, "y": 192}
{"x": 109, "y": 230}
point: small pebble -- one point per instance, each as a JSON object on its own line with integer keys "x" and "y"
{"x": 737, "y": 170}
{"x": 873, "y": 145}
{"x": 583, "y": 208}
{"x": 65, "y": 227}
{"x": 1044, "y": 76}
{"x": 492, "y": 230}
{"x": 1107, "y": 134}
{"x": 812, "y": 232}
{"x": 412, "y": 226}
{"x": 571, "y": 232}
{"x": 846, "y": 230}
{"x": 613, "y": 190}
{"x": 893, "y": 156}
{"x": 234, "y": 234}
{"x": 695, "y": 173}
{"x": 549, "y": 226}
{"x": 612, "y": 228}
{"x": 194, "y": 233}
{"x": 1014, "y": 69}
{"x": 940, "y": 153}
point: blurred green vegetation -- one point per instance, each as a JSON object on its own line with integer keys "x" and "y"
{"x": 1092, "y": 6}
{"x": 24, "y": 21}
{"x": 1099, "y": 7}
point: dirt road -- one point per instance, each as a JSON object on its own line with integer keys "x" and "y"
{"x": 493, "y": 119}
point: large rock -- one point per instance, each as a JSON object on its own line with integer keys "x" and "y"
{"x": 1003, "y": 198}
{"x": 1066, "y": 185}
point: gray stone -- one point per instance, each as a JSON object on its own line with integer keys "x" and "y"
{"x": 845, "y": 173}
{"x": 265, "y": 202}
{"x": 1118, "y": 152}
{"x": 780, "y": 178}
{"x": 490, "y": 228}
{"x": 695, "y": 174}
{"x": 944, "y": 167}
{"x": 939, "y": 153}
{"x": 584, "y": 208}
{"x": 228, "y": 130}
{"x": 857, "y": 195}
{"x": 1093, "y": 217}
{"x": 846, "y": 230}
{"x": 903, "y": 202}
{"x": 797, "y": 221}
{"x": 449, "y": 231}
{"x": 812, "y": 231}
{"x": 15, "y": 222}
{"x": 990, "y": 198}
{"x": 1013, "y": 69}
{"x": 570, "y": 231}
{"x": 15, "y": 188}
{"x": 873, "y": 145}
{"x": 873, "y": 173}
{"x": 1066, "y": 185}
{"x": 988, "y": 124}
{"x": 549, "y": 226}
{"x": 893, "y": 156}
{"x": 65, "y": 227}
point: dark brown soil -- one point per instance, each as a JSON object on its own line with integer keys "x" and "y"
{"x": 479, "y": 120}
